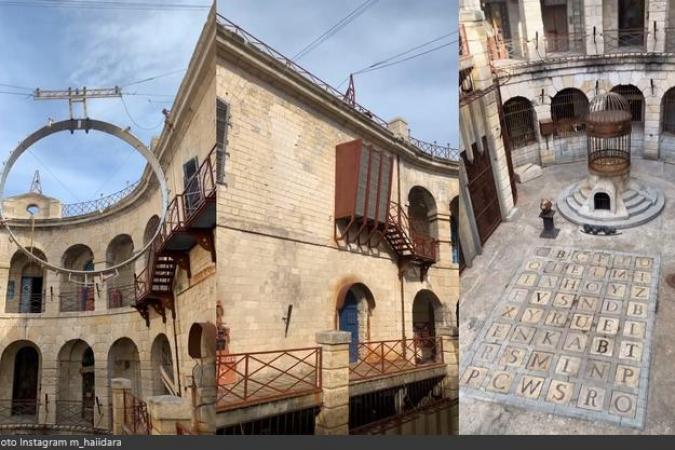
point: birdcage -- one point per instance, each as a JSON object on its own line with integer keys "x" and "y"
{"x": 608, "y": 128}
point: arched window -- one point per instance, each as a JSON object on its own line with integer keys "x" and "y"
{"x": 162, "y": 367}
{"x": 121, "y": 287}
{"x": 569, "y": 108}
{"x": 519, "y": 119}
{"x": 25, "y": 284}
{"x": 76, "y": 295}
{"x": 635, "y": 100}
{"x": 427, "y": 314}
{"x": 668, "y": 108}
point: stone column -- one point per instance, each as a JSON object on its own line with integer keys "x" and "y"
{"x": 205, "y": 395}
{"x": 593, "y": 26}
{"x": 333, "y": 419}
{"x": 651, "y": 145}
{"x": 546, "y": 144}
{"x": 119, "y": 387}
{"x": 166, "y": 411}
{"x": 533, "y": 29}
{"x": 450, "y": 339}
{"x": 656, "y": 36}
{"x": 52, "y": 286}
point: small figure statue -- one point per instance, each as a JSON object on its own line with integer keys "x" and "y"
{"x": 547, "y": 213}
{"x": 545, "y": 205}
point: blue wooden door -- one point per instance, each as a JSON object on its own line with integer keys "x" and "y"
{"x": 349, "y": 321}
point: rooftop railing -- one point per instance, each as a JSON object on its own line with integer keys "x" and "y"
{"x": 250, "y": 40}
{"x": 99, "y": 205}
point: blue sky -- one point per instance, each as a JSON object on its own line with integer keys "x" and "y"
{"x": 423, "y": 90}
{"x": 54, "y": 48}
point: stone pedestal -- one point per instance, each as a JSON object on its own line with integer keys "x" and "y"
{"x": 167, "y": 411}
{"x": 333, "y": 418}
{"x": 549, "y": 231}
{"x": 119, "y": 387}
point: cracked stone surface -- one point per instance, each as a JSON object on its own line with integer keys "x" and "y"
{"x": 503, "y": 262}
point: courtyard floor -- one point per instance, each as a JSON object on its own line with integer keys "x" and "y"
{"x": 487, "y": 287}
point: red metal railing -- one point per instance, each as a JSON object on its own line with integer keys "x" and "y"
{"x": 136, "y": 417}
{"x": 248, "y": 378}
{"x": 379, "y": 358}
{"x": 121, "y": 295}
{"x": 35, "y": 303}
{"x": 423, "y": 245}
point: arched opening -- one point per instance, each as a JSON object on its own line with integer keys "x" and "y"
{"x": 162, "y": 367}
{"x": 150, "y": 229}
{"x": 569, "y": 107}
{"x": 76, "y": 394}
{"x": 427, "y": 314}
{"x": 422, "y": 212}
{"x": 25, "y": 284}
{"x": 668, "y": 111}
{"x": 519, "y": 118}
{"x": 25, "y": 382}
{"x": 74, "y": 296}
{"x": 121, "y": 287}
{"x": 635, "y": 99}
{"x": 454, "y": 233}
{"x": 124, "y": 362}
{"x": 601, "y": 201}
{"x": 355, "y": 305}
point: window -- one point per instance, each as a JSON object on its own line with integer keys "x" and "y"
{"x": 191, "y": 184}
{"x": 10, "y": 290}
{"x": 569, "y": 108}
{"x": 635, "y": 100}
{"x": 668, "y": 108}
{"x": 222, "y": 121}
{"x": 519, "y": 119}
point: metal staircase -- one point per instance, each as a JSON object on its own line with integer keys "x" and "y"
{"x": 412, "y": 246}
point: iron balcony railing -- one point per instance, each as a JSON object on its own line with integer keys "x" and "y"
{"x": 121, "y": 295}
{"x": 31, "y": 304}
{"x": 136, "y": 417}
{"x": 625, "y": 40}
{"x": 253, "y": 42}
{"x": 386, "y": 358}
{"x": 78, "y": 413}
{"x": 99, "y": 205}
{"x": 565, "y": 43}
{"x": 81, "y": 298}
{"x": 16, "y": 411}
{"x": 249, "y": 378}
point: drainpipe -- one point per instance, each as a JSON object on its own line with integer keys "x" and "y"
{"x": 400, "y": 277}
{"x": 175, "y": 343}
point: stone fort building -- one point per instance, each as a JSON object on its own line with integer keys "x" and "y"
{"x": 305, "y": 278}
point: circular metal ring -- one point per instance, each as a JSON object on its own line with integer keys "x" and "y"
{"x": 86, "y": 125}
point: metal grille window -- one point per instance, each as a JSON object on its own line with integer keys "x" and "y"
{"x": 569, "y": 107}
{"x": 519, "y": 118}
{"x": 636, "y": 101}
{"x": 668, "y": 108}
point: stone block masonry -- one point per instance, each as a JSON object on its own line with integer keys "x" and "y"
{"x": 571, "y": 336}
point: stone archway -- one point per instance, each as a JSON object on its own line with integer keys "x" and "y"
{"x": 75, "y": 394}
